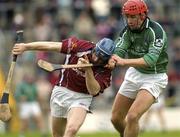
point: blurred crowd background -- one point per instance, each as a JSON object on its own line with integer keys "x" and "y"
{"x": 54, "y": 20}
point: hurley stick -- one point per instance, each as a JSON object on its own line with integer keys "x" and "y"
{"x": 52, "y": 67}
{"x": 5, "y": 113}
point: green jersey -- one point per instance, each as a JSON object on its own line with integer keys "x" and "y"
{"x": 149, "y": 44}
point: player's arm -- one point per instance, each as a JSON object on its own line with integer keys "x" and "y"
{"x": 139, "y": 62}
{"x": 91, "y": 83}
{"x": 156, "y": 46}
{"x": 43, "y": 46}
{"x": 122, "y": 45}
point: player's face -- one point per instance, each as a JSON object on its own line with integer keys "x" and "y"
{"x": 134, "y": 21}
{"x": 96, "y": 59}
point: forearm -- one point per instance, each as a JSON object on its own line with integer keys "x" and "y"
{"x": 139, "y": 62}
{"x": 91, "y": 83}
{"x": 44, "y": 46}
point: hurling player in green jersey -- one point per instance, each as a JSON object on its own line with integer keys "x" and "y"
{"x": 142, "y": 46}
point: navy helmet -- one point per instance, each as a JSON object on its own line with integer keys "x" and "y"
{"x": 104, "y": 48}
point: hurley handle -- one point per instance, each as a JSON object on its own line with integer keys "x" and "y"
{"x": 19, "y": 39}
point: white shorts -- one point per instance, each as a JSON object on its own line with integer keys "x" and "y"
{"x": 63, "y": 99}
{"x": 29, "y": 109}
{"x": 135, "y": 80}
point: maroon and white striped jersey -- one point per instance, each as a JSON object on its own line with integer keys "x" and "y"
{"x": 74, "y": 79}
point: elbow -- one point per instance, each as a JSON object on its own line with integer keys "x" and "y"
{"x": 150, "y": 61}
{"x": 94, "y": 91}
{"x": 93, "y": 87}
{"x": 150, "y": 64}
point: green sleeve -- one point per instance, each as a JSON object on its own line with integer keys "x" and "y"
{"x": 156, "y": 46}
{"x": 122, "y": 44}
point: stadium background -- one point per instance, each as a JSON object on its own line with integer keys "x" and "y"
{"x": 55, "y": 20}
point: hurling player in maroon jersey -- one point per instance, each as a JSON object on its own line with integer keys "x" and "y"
{"x": 72, "y": 96}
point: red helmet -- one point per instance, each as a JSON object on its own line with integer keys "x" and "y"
{"x": 134, "y": 7}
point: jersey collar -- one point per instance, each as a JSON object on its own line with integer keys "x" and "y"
{"x": 147, "y": 22}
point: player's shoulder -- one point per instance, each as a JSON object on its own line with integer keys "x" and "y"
{"x": 156, "y": 28}
{"x": 80, "y": 40}
{"x": 74, "y": 44}
{"x": 123, "y": 31}
{"x": 84, "y": 43}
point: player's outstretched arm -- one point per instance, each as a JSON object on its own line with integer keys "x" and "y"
{"x": 19, "y": 48}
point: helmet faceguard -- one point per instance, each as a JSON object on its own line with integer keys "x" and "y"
{"x": 104, "y": 49}
{"x": 134, "y": 7}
